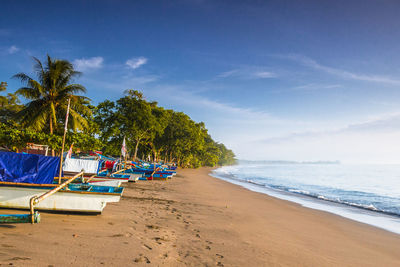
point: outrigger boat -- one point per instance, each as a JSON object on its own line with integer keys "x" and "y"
{"x": 74, "y": 198}
{"x": 25, "y": 176}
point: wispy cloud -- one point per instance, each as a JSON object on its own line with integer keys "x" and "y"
{"x": 135, "y": 63}
{"x": 313, "y": 86}
{"x": 116, "y": 83}
{"x": 227, "y": 73}
{"x": 88, "y": 63}
{"x": 382, "y": 123}
{"x": 265, "y": 74}
{"x": 12, "y": 49}
{"x": 306, "y": 61}
{"x": 248, "y": 73}
{"x": 182, "y": 96}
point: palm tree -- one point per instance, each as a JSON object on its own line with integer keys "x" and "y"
{"x": 49, "y": 95}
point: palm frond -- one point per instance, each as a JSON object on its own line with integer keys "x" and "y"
{"x": 24, "y": 78}
{"x": 34, "y": 115}
{"x": 49, "y": 95}
{"x": 28, "y": 92}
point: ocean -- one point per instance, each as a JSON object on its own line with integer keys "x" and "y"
{"x": 365, "y": 193}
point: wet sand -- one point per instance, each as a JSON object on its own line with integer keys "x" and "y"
{"x": 197, "y": 220}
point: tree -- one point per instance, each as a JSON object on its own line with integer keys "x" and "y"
{"x": 3, "y": 86}
{"x": 49, "y": 95}
{"x": 131, "y": 117}
{"x": 3, "y": 99}
{"x": 9, "y": 105}
{"x": 162, "y": 119}
{"x": 148, "y": 128}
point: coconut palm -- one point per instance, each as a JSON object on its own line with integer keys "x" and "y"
{"x": 49, "y": 96}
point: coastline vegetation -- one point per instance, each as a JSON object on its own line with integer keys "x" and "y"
{"x": 151, "y": 131}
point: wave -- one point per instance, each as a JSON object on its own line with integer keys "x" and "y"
{"x": 357, "y": 199}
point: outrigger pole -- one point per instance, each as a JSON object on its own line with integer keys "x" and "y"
{"x": 63, "y": 142}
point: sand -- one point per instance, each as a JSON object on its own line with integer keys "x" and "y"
{"x": 197, "y": 220}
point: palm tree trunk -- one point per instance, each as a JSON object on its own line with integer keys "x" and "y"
{"x": 136, "y": 149}
{"x": 51, "y": 133}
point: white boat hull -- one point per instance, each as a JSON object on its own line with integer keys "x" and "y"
{"x": 72, "y": 201}
{"x": 133, "y": 177}
{"x": 102, "y": 182}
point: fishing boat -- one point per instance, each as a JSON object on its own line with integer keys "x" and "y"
{"x": 126, "y": 176}
{"x": 74, "y": 198}
{"x": 24, "y": 176}
{"x": 97, "y": 181}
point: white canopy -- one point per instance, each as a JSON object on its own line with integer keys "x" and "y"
{"x": 76, "y": 165}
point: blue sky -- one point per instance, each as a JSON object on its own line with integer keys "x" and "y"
{"x": 294, "y": 80}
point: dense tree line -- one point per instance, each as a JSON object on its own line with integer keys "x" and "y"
{"x": 150, "y": 130}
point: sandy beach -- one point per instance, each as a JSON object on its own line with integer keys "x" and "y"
{"x": 197, "y": 220}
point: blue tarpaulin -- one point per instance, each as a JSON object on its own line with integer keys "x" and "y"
{"x": 28, "y": 168}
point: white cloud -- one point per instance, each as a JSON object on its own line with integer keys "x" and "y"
{"x": 88, "y": 63}
{"x": 313, "y": 86}
{"x": 264, "y": 74}
{"x": 306, "y": 61}
{"x": 135, "y": 63}
{"x": 373, "y": 140}
{"x": 248, "y": 72}
{"x": 13, "y": 49}
{"x": 383, "y": 123}
{"x": 227, "y": 74}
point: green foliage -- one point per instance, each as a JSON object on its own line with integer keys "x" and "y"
{"x": 9, "y": 104}
{"x": 14, "y": 137}
{"x": 3, "y": 86}
{"x": 131, "y": 117}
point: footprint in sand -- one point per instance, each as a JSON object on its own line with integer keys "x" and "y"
{"x": 19, "y": 258}
{"x": 142, "y": 259}
{"x": 150, "y": 226}
{"x": 159, "y": 239}
{"x": 117, "y": 235}
{"x": 147, "y": 246}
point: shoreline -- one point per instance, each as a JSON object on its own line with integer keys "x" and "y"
{"x": 196, "y": 220}
{"x": 374, "y": 218}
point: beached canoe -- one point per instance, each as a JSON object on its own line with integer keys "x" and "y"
{"x": 96, "y": 181}
{"x": 75, "y": 198}
{"x": 132, "y": 177}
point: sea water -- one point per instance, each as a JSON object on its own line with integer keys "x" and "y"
{"x": 365, "y": 193}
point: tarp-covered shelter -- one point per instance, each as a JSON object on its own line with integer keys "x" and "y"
{"x": 28, "y": 168}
